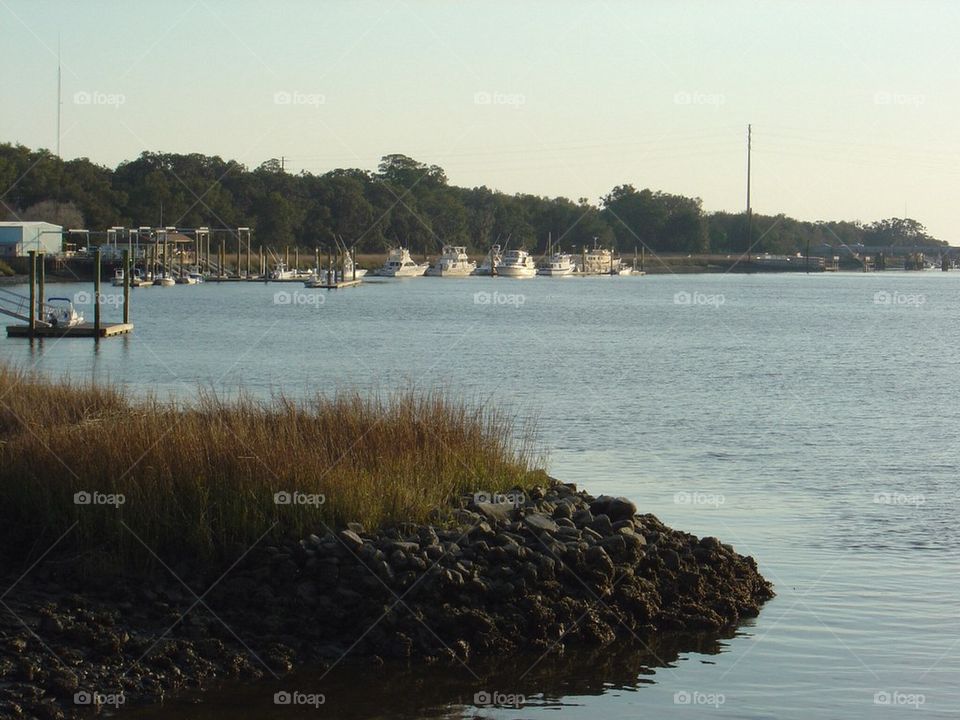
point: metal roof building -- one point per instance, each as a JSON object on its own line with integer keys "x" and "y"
{"x": 19, "y": 238}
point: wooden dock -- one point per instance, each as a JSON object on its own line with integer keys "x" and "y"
{"x": 84, "y": 330}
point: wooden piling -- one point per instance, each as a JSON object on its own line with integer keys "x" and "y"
{"x": 97, "y": 320}
{"x": 41, "y": 284}
{"x": 127, "y": 269}
{"x": 33, "y": 289}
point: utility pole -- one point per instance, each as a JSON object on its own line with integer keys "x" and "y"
{"x": 749, "y": 211}
{"x": 283, "y": 163}
{"x": 59, "y": 100}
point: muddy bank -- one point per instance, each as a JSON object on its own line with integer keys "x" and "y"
{"x": 531, "y": 572}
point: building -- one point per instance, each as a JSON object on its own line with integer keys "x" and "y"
{"x": 19, "y": 238}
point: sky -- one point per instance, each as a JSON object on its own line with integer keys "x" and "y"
{"x": 854, "y": 105}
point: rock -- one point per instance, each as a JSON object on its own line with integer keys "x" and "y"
{"x": 615, "y": 508}
{"x": 602, "y": 525}
{"x": 582, "y": 518}
{"x": 351, "y": 539}
{"x": 540, "y": 523}
{"x": 496, "y": 513}
{"x": 598, "y": 560}
{"x": 563, "y": 511}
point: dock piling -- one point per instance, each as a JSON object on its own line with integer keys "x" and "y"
{"x": 97, "y": 320}
{"x": 127, "y": 267}
{"x": 33, "y": 289}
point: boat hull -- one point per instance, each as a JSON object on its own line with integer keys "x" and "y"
{"x": 516, "y": 272}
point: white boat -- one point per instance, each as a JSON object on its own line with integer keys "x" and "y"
{"x": 517, "y": 263}
{"x": 165, "y": 281}
{"x": 453, "y": 262}
{"x": 400, "y": 264}
{"x": 141, "y": 279}
{"x": 61, "y": 313}
{"x": 557, "y": 265}
{"x": 118, "y": 277}
{"x": 282, "y": 272}
{"x": 490, "y": 262}
{"x": 318, "y": 276}
{"x": 600, "y": 261}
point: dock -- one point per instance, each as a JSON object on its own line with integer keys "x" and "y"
{"x": 335, "y": 286}
{"x": 85, "y": 330}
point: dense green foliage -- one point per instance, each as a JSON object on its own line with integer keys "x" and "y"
{"x": 404, "y": 202}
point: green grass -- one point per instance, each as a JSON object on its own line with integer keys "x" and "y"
{"x": 199, "y": 480}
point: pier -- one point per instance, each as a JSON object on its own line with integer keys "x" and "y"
{"x": 41, "y": 317}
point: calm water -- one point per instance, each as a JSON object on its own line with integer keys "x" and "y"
{"x": 793, "y": 416}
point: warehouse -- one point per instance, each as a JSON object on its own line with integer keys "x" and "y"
{"x": 19, "y": 238}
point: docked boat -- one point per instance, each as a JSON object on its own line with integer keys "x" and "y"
{"x": 282, "y": 272}
{"x": 118, "y": 277}
{"x": 59, "y": 312}
{"x": 490, "y": 262}
{"x": 517, "y": 263}
{"x": 559, "y": 264}
{"x": 600, "y": 261}
{"x": 165, "y": 281}
{"x": 453, "y": 262}
{"x": 400, "y": 264}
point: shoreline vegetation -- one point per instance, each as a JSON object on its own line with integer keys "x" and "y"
{"x": 360, "y": 207}
{"x": 151, "y": 548}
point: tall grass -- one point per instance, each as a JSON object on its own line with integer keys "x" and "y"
{"x": 199, "y": 480}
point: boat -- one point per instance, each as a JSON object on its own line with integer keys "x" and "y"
{"x": 165, "y": 281}
{"x": 600, "y": 261}
{"x": 490, "y": 262}
{"x": 282, "y": 272}
{"x": 141, "y": 279}
{"x": 118, "y": 277}
{"x": 453, "y": 262}
{"x": 559, "y": 264}
{"x": 517, "y": 263}
{"x": 59, "y": 312}
{"x": 318, "y": 276}
{"x": 400, "y": 264}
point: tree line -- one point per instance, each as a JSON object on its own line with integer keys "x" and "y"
{"x": 405, "y": 202}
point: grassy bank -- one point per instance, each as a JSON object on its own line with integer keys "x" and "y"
{"x": 200, "y": 480}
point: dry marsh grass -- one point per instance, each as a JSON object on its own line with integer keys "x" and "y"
{"x": 200, "y": 480}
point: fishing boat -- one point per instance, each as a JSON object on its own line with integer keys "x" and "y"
{"x": 164, "y": 281}
{"x": 453, "y": 262}
{"x": 59, "y": 312}
{"x": 400, "y": 264}
{"x": 282, "y": 272}
{"x": 490, "y": 262}
{"x": 517, "y": 263}
{"x": 118, "y": 277}
{"x": 559, "y": 264}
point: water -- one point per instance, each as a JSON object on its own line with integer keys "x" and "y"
{"x": 794, "y": 416}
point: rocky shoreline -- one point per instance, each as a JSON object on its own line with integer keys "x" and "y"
{"x": 530, "y": 571}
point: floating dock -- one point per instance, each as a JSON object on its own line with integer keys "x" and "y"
{"x": 336, "y": 285}
{"x": 85, "y": 330}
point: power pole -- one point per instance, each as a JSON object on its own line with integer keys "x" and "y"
{"x": 283, "y": 162}
{"x": 749, "y": 211}
{"x": 59, "y": 101}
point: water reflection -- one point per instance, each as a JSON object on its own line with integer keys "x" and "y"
{"x": 412, "y": 691}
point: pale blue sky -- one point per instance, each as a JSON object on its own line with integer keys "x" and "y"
{"x": 855, "y": 105}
